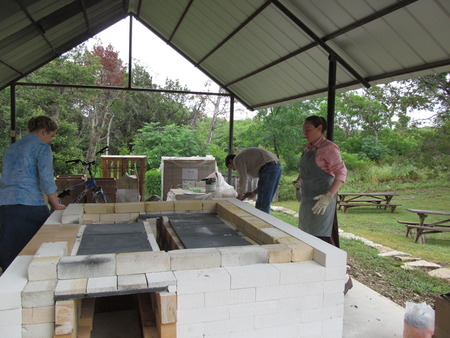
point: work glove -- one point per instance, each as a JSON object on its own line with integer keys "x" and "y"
{"x": 298, "y": 191}
{"x": 322, "y": 203}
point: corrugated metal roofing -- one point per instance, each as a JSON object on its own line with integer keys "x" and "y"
{"x": 263, "y": 52}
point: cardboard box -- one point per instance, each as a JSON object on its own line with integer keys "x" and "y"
{"x": 184, "y": 172}
{"x": 442, "y": 316}
{"x": 127, "y": 189}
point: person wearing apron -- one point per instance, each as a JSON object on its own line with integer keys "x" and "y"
{"x": 322, "y": 172}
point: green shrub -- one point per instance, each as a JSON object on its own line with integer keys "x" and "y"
{"x": 286, "y": 191}
{"x": 153, "y": 183}
{"x": 352, "y": 161}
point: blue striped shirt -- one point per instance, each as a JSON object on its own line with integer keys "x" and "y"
{"x": 27, "y": 172}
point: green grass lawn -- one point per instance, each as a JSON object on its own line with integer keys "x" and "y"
{"x": 380, "y": 226}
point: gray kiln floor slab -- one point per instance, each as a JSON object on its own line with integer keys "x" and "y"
{"x": 204, "y": 231}
{"x": 114, "y": 238}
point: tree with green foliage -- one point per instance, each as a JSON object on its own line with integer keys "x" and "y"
{"x": 155, "y": 140}
{"x": 280, "y": 130}
{"x": 98, "y": 110}
{"x": 436, "y": 89}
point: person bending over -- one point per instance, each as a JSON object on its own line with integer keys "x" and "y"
{"x": 257, "y": 163}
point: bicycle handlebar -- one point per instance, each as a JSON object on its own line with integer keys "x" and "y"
{"x": 88, "y": 163}
{"x": 101, "y": 151}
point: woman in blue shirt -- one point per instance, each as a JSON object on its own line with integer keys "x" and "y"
{"x": 27, "y": 175}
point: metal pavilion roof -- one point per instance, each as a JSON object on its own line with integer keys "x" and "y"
{"x": 265, "y": 53}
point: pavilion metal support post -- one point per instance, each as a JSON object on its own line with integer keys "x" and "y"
{"x": 130, "y": 55}
{"x": 230, "y": 136}
{"x": 331, "y": 96}
{"x": 13, "y": 113}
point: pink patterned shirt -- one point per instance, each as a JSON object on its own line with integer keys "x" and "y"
{"x": 328, "y": 158}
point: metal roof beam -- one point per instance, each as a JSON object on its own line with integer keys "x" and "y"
{"x": 38, "y": 27}
{"x": 11, "y": 67}
{"x": 241, "y": 26}
{"x": 85, "y": 15}
{"x": 186, "y": 10}
{"x": 316, "y": 38}
{"x": 369, "y": 18}
{"x": 383, "y": 76}
{"x": 325, "y": 38}
{"x": 58, "y": 85}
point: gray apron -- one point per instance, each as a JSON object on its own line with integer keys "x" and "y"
{"x": 314, "y": 182}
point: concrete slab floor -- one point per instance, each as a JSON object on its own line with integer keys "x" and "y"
{"x": 370, "y": 315}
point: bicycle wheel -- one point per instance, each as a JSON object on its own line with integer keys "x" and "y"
{"x": 100, "y": 197}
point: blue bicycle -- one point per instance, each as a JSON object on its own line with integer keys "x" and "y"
{"x": 98, "y": 195}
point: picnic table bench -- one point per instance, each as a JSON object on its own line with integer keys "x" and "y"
{"x": 363, "y": 199}
{"x": 423, "y": 228}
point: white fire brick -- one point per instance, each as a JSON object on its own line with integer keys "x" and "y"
{"x": 73, "y": 214}
{"x": 288, "y": 290}
{"x": 52, "y": 249}
{"x": 203, "y": 315}
{"x": 267, "y": 320}
{"x": 153, "y": 243}
{"x": 333, "y": 299}
{"x": 43, "y": 268}
{"x": 313, "y": 329}
{"x": 38, "y": 293}
{"x": 44, "y": 330}
{"x": 161, "y": 279}
{"x": 296, "y": 329}
{"x": 70, "y": 267}
{"x": 11, "y": 317}
{"x": 243, "y": 255}
{"x": 300, "y": 272}
{"x": 328, "y": 255}
{"x": 189, "y": 330}
{"x": 336, "y": 272}
{"x": 190, "y": 259}
{"x": 71, "y": 287}
{"x": 227, "y": 297}
{"x": 253, "y": 309}
{"x": 101, "y": 284}
{"x": 12, "y": 283}
{"x": 195, "y": 281}
{"x": 333, "y": 327}
{"x": 142, "y": 262}
{"x": 55, "y": 217}
{"x": 77, "y": 243}
{"x": 300, "y": 303}
{"x": 11, "y": 331}
{"x": 191, "y": 301}
{"x": 253, "y": 276}
{"x": 230, "y": 327}
{"x": 332, "y": 286}
{"x": 150, "y": 226}
{"x": 132, "y": 282}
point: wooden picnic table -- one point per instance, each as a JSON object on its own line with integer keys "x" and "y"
{"x": 360, "y": 199}
{"x": 423, "y": 228}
